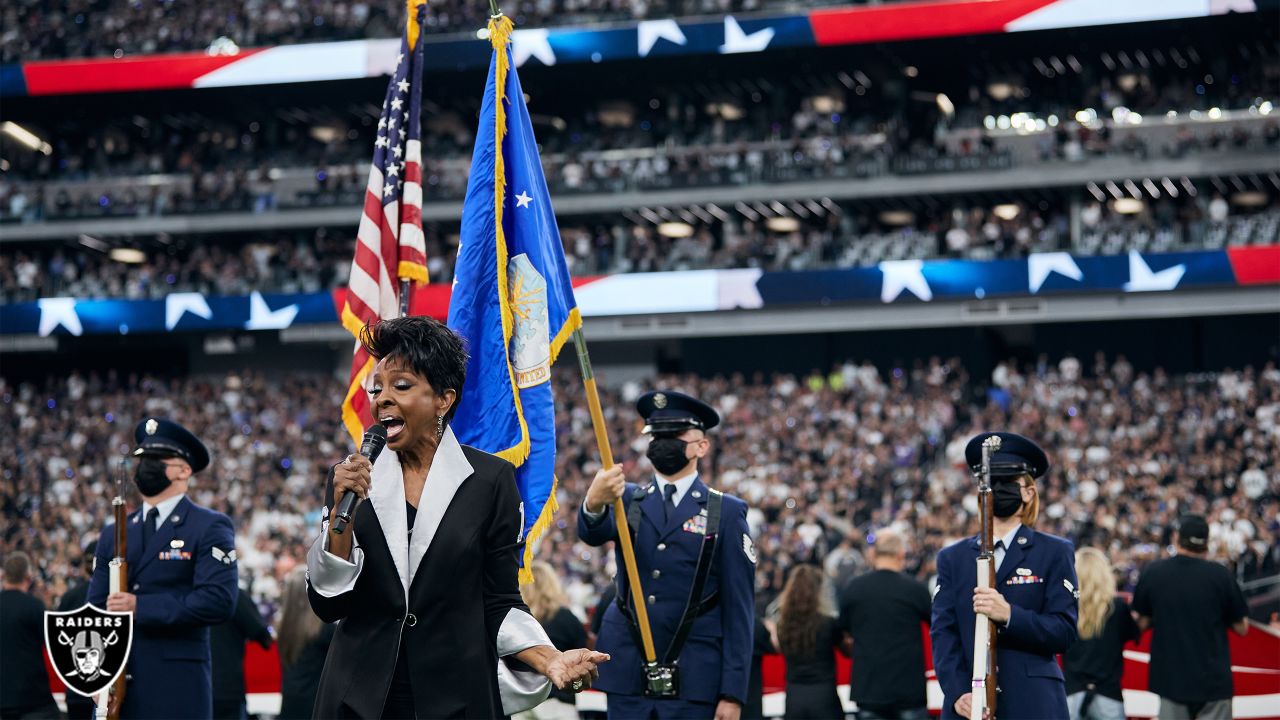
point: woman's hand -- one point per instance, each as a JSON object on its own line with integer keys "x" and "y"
{"x": 352, "y": 475}
{"x": 988, "y": 601}
{"x": 574, "y": 670}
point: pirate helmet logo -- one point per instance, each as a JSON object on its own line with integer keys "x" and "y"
{"x": 88, "y": 647}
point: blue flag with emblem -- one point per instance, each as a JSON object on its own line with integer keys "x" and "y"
{"x": 512, "y": 297}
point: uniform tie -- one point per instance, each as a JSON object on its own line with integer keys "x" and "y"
{"x": 669, "y": 503}
{"x": 999, "y": 553}
{"x": 149, "y": 525}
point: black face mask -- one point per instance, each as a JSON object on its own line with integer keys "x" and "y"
{"x": 150, "y": 477}
{"x": 667, "y": 455}
{"x": 1006, "y": 499}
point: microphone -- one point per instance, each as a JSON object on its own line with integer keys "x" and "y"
{"x": 375, "y": 438}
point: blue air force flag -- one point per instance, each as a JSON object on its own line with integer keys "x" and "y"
{"x": 512, "y": 298}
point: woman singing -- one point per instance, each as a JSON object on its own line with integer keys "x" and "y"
{"x": 424, "y": 579}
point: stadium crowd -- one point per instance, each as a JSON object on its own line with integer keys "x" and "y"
{"x": 824, "y": 460}
{"x": 40, "y": 29}
{"x": 671, "y": 136}
{"x": 314, "y": 260}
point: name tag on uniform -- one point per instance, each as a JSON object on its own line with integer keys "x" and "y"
{"x": 697, "y": 524}
{"x": 175, "y": 554}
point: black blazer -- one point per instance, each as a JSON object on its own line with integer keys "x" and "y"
{"x": 459, "y": 593}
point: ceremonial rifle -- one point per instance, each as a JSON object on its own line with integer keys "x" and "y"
{"x": 984, "y": 628}
{"x": 111, "y": 699}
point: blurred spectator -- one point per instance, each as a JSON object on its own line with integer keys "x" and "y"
{"x": 304, "y": 644}
{"x": 883, "y": 611}
{"x": 227, "y": 641}
{"x": 1190, "y": 602}
{"x": 547, "y": 603}
{"x": 24, "y": 689}
{"x": 809, "y": 636}
{"x": 76, "y": 597}
{"x": 1094, "y": 666}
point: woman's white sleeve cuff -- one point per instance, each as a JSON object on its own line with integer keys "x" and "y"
{"x": 520, "y": 689}
{"x": 329, "y": 574}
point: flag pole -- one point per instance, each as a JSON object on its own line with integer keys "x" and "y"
{"x": 406, "y": 288}
{"x": 619, "y": 509}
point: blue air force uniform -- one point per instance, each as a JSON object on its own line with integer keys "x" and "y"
{"x": 1036, "y": 575}
{"x": 715, "y": 660}
{"x": 184, "y": 578}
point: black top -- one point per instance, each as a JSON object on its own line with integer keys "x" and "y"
{"x": 882, "y": 611}
{"x": 819, "y": 666}
{"x": 761, "y": 645}
{"x": 566, "y": 633}
{"x": 1100, "y": 660}
{"x": 400, "y": 679}
{"x": 1191, "y": 603}
{"x": 74, "y": 599}
{"x": 226, "y": 644}
{"x": 24, "y": 686}
{"x": 299, "y": 681}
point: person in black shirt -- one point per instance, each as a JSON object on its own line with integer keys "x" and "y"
{"x": 546, "y": 600}
{"x": 303, "y": 641}
{"x": 24, "y": 685}
{"x": 1094, "y": 665}
{"x": 226, "y": 641}
{"x": 79, "y": 706}
{"x": 761, "y": 645}
{"x": 1189, "y": 602}
{"x": 883, "y": 611}
{"x": 809, "y": 638}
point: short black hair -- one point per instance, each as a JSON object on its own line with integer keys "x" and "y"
{"x": 427, "y": 346}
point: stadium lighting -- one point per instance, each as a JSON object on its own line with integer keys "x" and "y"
{"x": 132, "y": 256}
{"x": 1250, "y": 198}
{"x": 675, "y": 229}
{"x": 897, "y": 217}
{"x": 1000, "y": 91}
{"x": 1127, "y": 206}
{"x": 1006, "y": 211}
{"x": 782, "y": 224}
{"x": 26, "y": 137}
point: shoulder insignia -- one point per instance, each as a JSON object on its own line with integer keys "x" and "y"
{"x": 1071, "y": 588}
{"x": 749, "y": 548}
{"x": 224, "y": 557}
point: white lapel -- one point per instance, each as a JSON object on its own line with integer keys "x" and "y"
{"x": 387, "y": 496}
{"x": 449, "y": 469}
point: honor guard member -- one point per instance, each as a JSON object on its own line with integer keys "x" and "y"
{"x": 697, "y": 569}
{"x": 1033, "y": 604}
{"x": 182, "y": 578}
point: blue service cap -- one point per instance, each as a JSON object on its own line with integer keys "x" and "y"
{"x": 161, "y": 438}
{"x": 1017, "y": 455}
{"x": 669, "y": 412}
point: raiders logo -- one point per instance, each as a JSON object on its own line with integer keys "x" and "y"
{"x": 88, "y": 647}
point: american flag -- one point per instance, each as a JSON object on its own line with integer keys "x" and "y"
{"x": 390, "y": 246}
